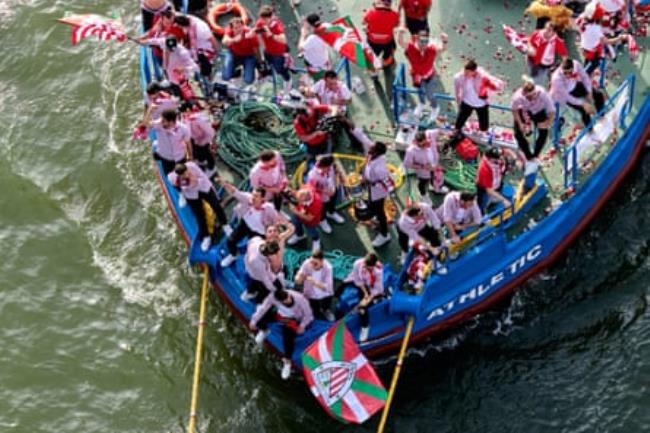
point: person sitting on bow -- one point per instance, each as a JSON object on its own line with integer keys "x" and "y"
{"x": 419, "y": 223}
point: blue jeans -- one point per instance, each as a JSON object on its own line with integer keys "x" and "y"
{"x": 427, "y": 89}
{"x": 300, "y": 229}
{"x": 278, "y": 65}
{"x": 232, "y": 62}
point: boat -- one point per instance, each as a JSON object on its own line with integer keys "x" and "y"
{"x": 513, "y": 245}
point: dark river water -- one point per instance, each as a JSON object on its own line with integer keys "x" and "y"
{"x": 98, "y": 307}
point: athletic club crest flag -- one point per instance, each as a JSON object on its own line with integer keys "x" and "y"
{"x": 341, "y": 378}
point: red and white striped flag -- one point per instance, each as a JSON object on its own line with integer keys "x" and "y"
{"x": 517, "y": 40}
{"x": 85, "y": 25}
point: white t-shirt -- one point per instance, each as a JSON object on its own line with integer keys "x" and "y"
{"x": 591, "y": 37}
{"x": 328, "y": 96}
{"x": 316, "y": 52}
{"x": 170, "y": 143}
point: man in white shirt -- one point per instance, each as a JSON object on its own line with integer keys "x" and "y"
{"x": 172, "y": 143}
{"x": 532, "y": 105}
{"x": 313, "y": 48}
{"x": 317, "y": 278}
{"x": 332, "y": 91}
{"x": 571, "y": 85}
{"x": 473, "y": 87}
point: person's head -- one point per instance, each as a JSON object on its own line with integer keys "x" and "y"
{"x": 313, "y": 20}
{"x": 304, "y": 195}
{"x": 381, "y": 4}
{"x": 236, "y": 24}
{"x": 422, "y": 38}
{"x": 283, "y": 296}
{"x": 317, "y": 260}
{"x": 529, "y": 89}
{"x": 168, "y": 118}
{"x": 377, "y": 149}
{"x": 493, "y": 153}
{"x": 272, "y": 233}
{"x": 153, "y": 88}
{"x": 421, "y": 139}
{"x": 257, "y": 197}
{"x": 182, "y": 21}
{"x": 171, "y": 43}
{"x": 269, "y": 159}
{"x": 414, "y": 211}
{"x": 371, "y": 260}
{"x": 467, "y": 199}
{"x": 550, "y": 29}
{"x": 180, "y": 169}
{"x": 187, "y": 107}
{"x": 270, "y": 248}
{"x": 266, "y": 13}
{"x": 167, "y": 16}
{"x": 471, "y": 68}
{"x": 331, "y": 80}
{"x": 324, "y": 161}
{"x": 567, "y": 66}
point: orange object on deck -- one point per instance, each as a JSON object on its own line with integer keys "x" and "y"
{"x": 223, "y": 9}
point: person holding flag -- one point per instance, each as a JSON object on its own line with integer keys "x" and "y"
{"x": 276, "y": 50}
{"x": 421, "y": 52}
{"x": 313, "y": 48}
{"x": 295, "y": 315}
{"x": 380, "y": 23}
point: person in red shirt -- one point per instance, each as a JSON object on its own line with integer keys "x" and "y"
{"x": 380, "y": 23}
{"x": 163, "y": 26}
{"x": 243, "y": 50}
{"x": 276, "y": 51}
{"x": 543, "y": 48}
{"x": 489, "y": 179}
{"x": 415, "y": 14}
{"x": 307, "y": 215}
{"x": 421, "y": 52}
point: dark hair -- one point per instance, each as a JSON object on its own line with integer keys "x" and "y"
{"x": 413, "y": 211}
{"x": 169, "y": 115}
{"x": 420, "y": 136}
{"x": 180, "y": 168}
{"x": 318, "y": 255}
{"x": 171, "y": 43}
{"x": 467, "y": 196}
{"x": 270, "y": 248}
{"x": 182, "y": 20}
{"x": 313, "y": 19}
{"x": 153, "y": 87}
{"x": 370, "y": 259}
{"x": 470, "y": 65}
{"x": 377, "y": 149}
{"x": 493, "y": 152}
{"x": 186, "y": 106}
{"x": 266, "y": 155}
{"x": 168, "y": 12}
{"x": 422, "y": 33}
{"x": 260, "y": 190}
{"x": 567, "y": 64}
{"x": 266, "y": 11}
{"x": 330, "y": 74}
{"x": 325, "y": 161}
{"x": 281, "y": 295}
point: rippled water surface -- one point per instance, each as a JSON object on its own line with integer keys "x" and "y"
{"x": 98, "y": 307}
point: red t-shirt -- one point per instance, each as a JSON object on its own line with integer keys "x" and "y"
{"x": 485, "y": 176}
{"x": 422, "y": 62}
{"x": 314, "y": 208}
{"x": 246, "y": 47}
{"x": 381, "y": 24}
{"x": 271, "y": 46}
{"x": 306, "y": 124}
{"x": 416, "y": 9}
{"x": 539, "y": 43}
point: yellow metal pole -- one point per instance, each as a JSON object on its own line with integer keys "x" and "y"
{"x": 398, "y": 369}
{"x": 199, "y": 351}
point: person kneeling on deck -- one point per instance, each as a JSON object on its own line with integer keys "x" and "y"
{"x": 380, "y": 184}
{"x": 172, "y": 145}
{"x": 255, "y": 216}
{"x": 423, "y": 157}
{"x": 195, "y": 187}
{"x": 489, "y": 179}
{"x": 276, "y": 51}
{"x": 571, "y": 85}
{"x": 261, "y": 256}
{"x": 243, "y": 50}
{"x": 202, "y": 134}
{"x": 421, "y": 52}
{"x": 333, "y": 92}
{"x": 367, "y": 276}
{"x": 473, "y": 86}
{"x": 459, "y": 211}
{"x": 420, "y": 224}
{"x": 270, "y": 173}
{"x": 325, "y": 177}
{"x": 317, "y": 278}
{"x": 293, "y": 312}
{"x": 307, "y": 209}
{"x": 531, "y": 104}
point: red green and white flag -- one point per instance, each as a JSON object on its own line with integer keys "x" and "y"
{"x": 341, "y": 378}
{"x": 342, "y": 35}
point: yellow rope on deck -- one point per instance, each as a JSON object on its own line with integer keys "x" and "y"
{"x": 199, "y": 352}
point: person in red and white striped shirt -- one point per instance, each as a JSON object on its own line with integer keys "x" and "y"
{"x": 544, "y": 46}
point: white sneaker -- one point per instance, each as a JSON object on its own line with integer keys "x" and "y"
{"x": 227, "y": 229}
{"x": 363, "y": 335}
{"x": 315, "y": 246}
{"x": 433, "y": 117}
{"x": 427, "y": 199}
{"x": 325, "y": 226}
{"x": 294, "y": 239}
{"x": 246, "y": 296}
{"x": 286, "y": 369}
{"x": 329, "y": 316}
{"x": 261, "y": 336}
{"x": 336, "y": 217}
{"x": 442, "y": 270}
{"x": 380, "y": 240}
{"x": 419, "y": 109}
{"x": 182, "y": 202}
{"x": 205, "y": 243}
{"x": 228, "y": 260}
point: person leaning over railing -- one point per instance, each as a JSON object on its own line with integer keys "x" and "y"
{"x": 420, "y": 223}
{"x": 572, "y": 86}
{"x": 459, "y": 211}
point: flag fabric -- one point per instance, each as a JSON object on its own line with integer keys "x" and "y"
{"x": 345, "y": 39}
{"x": 517, "y": 40}
{"x": 341, "y": 378}
{"x": 87, "y": 25}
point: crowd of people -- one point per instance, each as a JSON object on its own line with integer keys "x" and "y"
{"x": 270, "y": 214}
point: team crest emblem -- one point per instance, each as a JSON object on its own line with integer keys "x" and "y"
{"x": 334, "y": 379}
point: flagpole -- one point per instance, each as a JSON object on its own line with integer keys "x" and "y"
{"x": 199, "y": 352}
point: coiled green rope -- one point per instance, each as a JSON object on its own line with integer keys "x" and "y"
{"x": 341, "y": 262}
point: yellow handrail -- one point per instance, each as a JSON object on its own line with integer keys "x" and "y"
{"x": 199, "y": 351}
